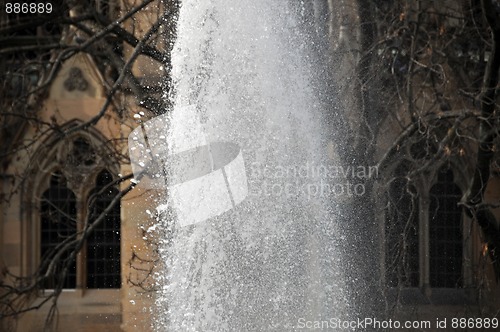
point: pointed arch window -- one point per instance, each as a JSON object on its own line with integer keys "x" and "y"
{"x": 423, "y": 231}
{"x": 58, "y": 226}
{"x": 80, "y": 195}
{"x": 445, "y": 233}
{"x": 103, "y": 245}
{"x": 402, "y": 232}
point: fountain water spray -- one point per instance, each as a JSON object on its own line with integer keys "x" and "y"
{"x": 255, "y": 247}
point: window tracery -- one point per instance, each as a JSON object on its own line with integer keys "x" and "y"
{"x": 78, "y": 194}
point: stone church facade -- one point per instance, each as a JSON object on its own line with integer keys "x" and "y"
{"x": 108, "y": 288}
{"x": 56, "y": 183}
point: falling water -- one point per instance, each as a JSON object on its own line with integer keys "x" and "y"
{"x": 243, "y": 76}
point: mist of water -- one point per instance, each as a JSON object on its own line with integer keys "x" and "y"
{"x": 243, "y": 70}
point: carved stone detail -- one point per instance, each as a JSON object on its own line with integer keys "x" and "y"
{"x": 76, "y": 80}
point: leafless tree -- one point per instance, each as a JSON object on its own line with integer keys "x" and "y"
{"x": 33, "y": 49}
{"x": 429, "y": 70}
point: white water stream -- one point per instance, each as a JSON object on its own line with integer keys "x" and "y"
{"x": 255, "y": 246}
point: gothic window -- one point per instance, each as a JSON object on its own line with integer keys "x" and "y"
{"x": 58, "y": 224}
{"x": 402, "y": 247}
{"x": 103, "y": 245}
{"x": 423, "y": 248}
{"x": 445, "y": 233}
{"x": 67, "y": 208}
